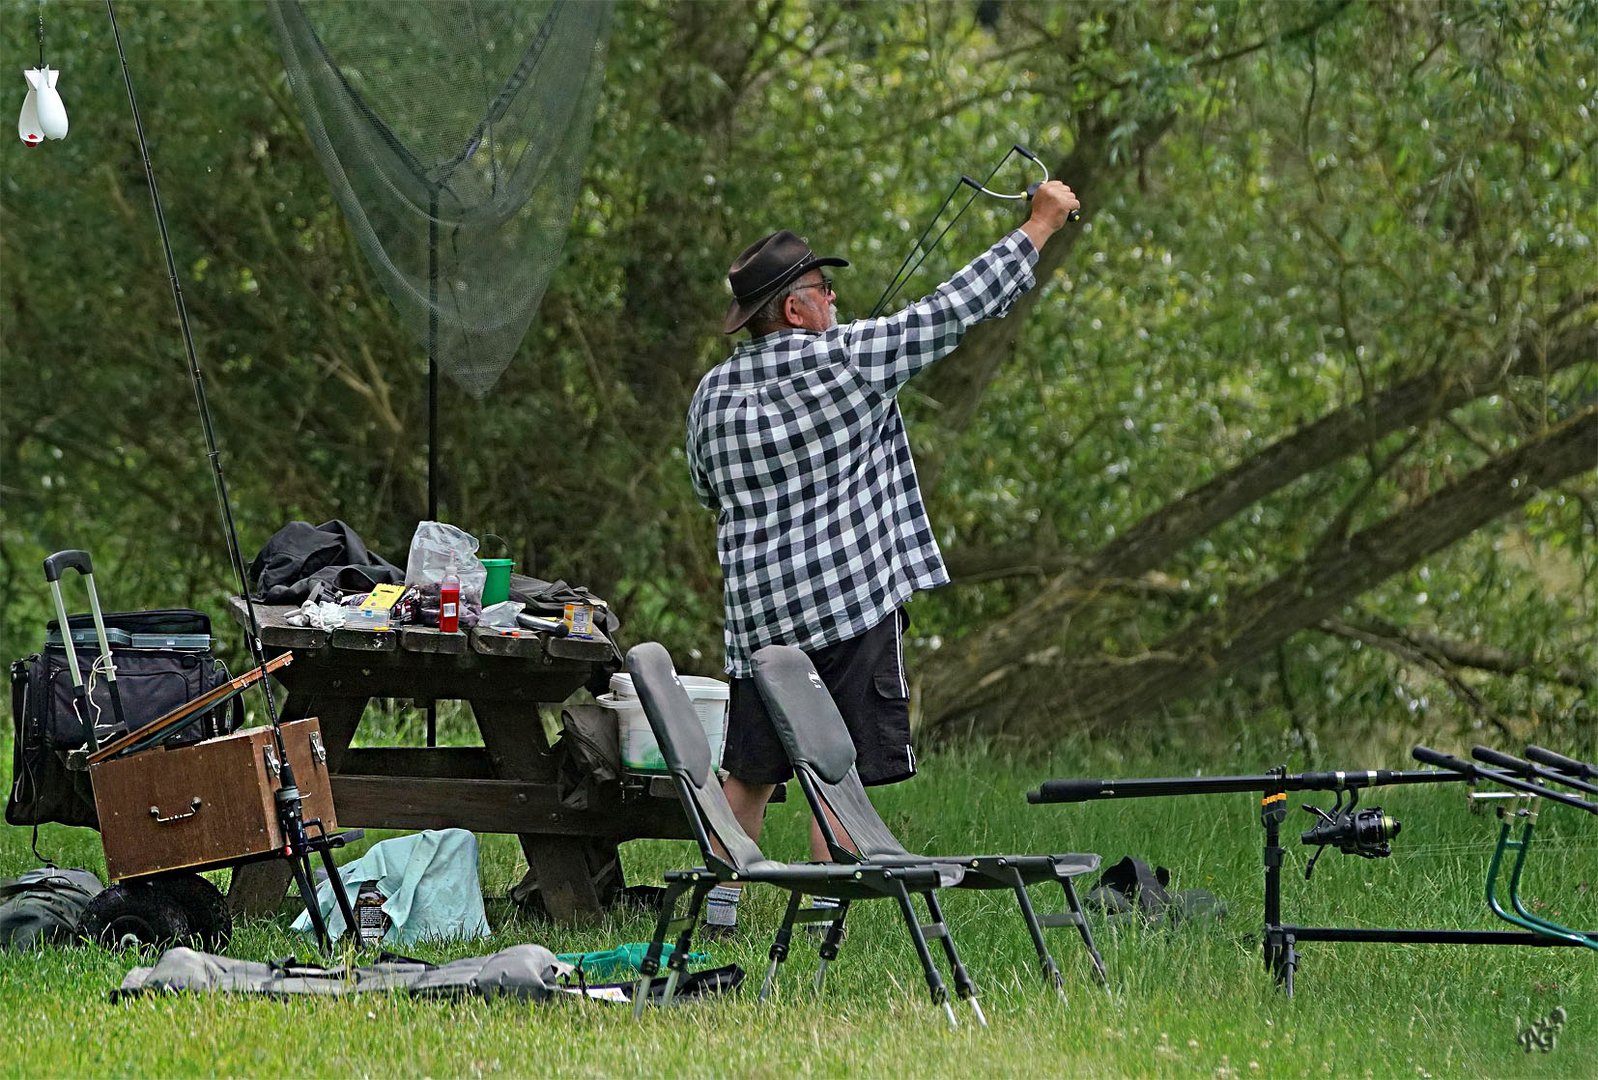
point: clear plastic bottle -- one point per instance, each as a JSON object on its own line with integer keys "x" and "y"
{"x": 449, "y": 601}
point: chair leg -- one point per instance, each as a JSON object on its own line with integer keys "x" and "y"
{"x": 678, "y": 964}
{"x": 962, "y": 980}
{"x": 1051, "y": 970}
{"x": 779, "y": 947}
{"x": 651, "y": 961}
{"x": 1086, "y": 931}
{"x": 940, "y": 993}
{"x": 829, "y": 946}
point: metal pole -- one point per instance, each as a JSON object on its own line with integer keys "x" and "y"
{"x": 432, "y": 399}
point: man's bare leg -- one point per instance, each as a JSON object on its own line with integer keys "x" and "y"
{"x": 818, "y": 840}
{"x": 748, "y": 802}
{"x": 821, "y": 853}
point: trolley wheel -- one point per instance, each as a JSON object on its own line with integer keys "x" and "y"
{"x": 210, "y": 922}
{"x": 134, "y": 913}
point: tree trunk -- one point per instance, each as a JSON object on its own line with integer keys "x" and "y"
{"x": 1331, "y": 438}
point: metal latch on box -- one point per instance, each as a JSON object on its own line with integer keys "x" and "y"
{"x": 271, "y": 760}
{"x": 318, "y": 751}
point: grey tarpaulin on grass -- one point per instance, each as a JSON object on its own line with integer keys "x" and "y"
{"x": 524, "y": 972}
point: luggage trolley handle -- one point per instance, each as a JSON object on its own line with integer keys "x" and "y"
{"x": 54, "y": 566}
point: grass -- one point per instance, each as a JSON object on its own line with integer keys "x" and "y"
{"x": 1186, "y": 1000}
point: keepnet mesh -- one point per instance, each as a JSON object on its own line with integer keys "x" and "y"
{"x": 453, "y": 133}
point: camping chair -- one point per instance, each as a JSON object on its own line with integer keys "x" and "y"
{"x": 687, "y": 753}
{"x": 823, "y": 755}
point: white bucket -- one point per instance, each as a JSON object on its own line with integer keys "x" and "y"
{"x": 639, "y": 750}
{"x": 710, "y": 701}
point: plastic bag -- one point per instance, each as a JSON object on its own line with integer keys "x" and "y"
{"x": 503, "y": 614}
{"x": 435, "y": 547}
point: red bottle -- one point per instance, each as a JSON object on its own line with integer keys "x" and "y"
{"x": 449, "y": 602}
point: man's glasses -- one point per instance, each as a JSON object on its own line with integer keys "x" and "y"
{"x": 824, "y": 284}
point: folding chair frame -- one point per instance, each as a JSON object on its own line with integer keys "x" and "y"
{"x": 788, "y": 681}
{"x": 682, "y": 742}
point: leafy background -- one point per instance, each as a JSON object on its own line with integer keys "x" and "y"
{"x": 1291, "y": 209}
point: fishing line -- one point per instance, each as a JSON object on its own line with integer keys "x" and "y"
{"x": 900, "y": 276}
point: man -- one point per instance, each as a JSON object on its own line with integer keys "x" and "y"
{"x": 795, "y": 441}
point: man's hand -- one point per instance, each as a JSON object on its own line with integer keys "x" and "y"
{"x": 1052, "y": 204}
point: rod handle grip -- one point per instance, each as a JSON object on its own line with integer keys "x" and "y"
{"x": 1544, "y": 756}
{"x": 1055, "y": 791}
{"x": 67, "y": 560}
{"x": 1426, "y": 755}
{"x": 1488, "y": 756}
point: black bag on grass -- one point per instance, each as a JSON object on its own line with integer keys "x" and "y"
{"x": 44, "y": 906}
{"x": 163, "y": 660}
{"x": 1132, "y": 885}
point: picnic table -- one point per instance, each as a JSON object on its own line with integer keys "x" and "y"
{"x": 569, "y": 820}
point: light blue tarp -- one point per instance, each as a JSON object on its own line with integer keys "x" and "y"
{"x": 430, "y": 882}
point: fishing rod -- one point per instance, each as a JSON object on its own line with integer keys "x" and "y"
{"x": 297, "y": 844}
{"x": 1570, "y": 766}
{"x": 1522, "y": 783}
{"x": 213, "y": 454}
{"x": 903, "y": 275}
{"x": 1367, "y": 832}
{"x": 1527, "y": 782}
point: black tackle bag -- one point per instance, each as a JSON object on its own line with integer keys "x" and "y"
{"x": 163, "y": 660}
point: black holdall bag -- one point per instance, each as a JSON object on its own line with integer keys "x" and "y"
{"x": 163, "y": 660}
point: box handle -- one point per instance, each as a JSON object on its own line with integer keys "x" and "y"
{"x": 194, "y": 808}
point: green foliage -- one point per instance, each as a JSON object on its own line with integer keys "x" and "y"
{"x": 1295, "y": 206}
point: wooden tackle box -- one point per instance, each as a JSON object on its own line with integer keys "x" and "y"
{"x": 206, "y": 804}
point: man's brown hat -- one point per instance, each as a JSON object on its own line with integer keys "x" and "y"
{"x": 764, "y": 267}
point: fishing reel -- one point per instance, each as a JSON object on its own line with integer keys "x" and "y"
{"x": 1366, "y": 833}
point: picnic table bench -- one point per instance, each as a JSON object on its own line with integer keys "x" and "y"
{"x": 517, "y": 781}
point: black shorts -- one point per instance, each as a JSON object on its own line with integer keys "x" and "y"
{"x": 866, "y": 677}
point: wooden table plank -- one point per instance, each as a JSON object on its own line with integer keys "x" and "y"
{"x": 430, "y": 639}
{"x": 526, "y": 645}
{"x": 275, "y": 632}
{"x": 528, "y": 808}
{"x": 433, "y": 762}
{"x": 364, "y": 640}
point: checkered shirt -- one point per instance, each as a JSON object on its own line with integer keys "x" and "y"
{"x": 795, "y": 441}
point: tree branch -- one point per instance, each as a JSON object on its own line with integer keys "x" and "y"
{"x": 1411, "y": 644}
{"x": 1213, "y": 647}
